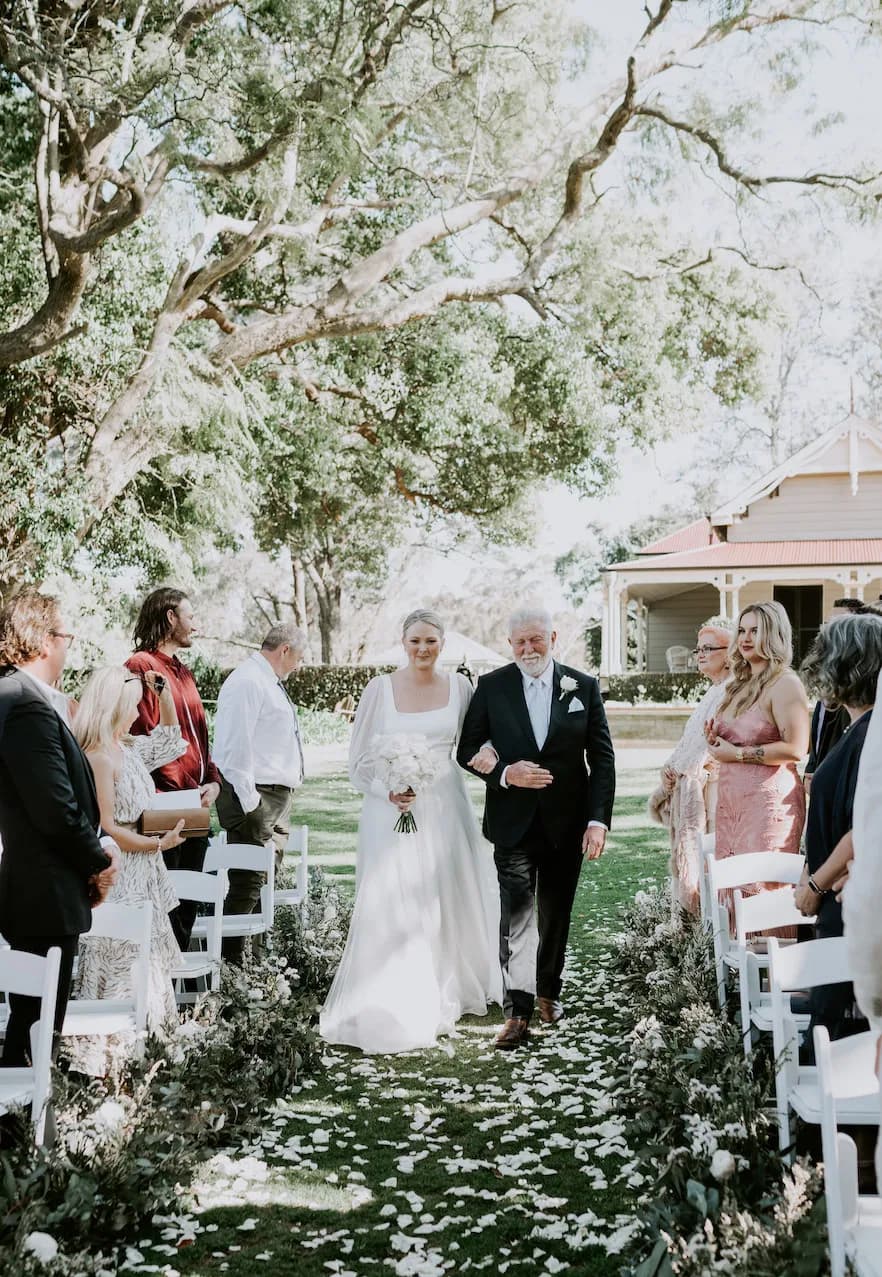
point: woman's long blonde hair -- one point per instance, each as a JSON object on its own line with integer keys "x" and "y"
{"x": 774, "y": 641}
{"x": 107, "y": 707}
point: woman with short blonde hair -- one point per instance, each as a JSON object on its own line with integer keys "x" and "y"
{"x": 122, "y": 764}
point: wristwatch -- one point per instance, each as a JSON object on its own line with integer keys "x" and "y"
{"x": 819, "y": 891}
{"x": 739, "y": 755}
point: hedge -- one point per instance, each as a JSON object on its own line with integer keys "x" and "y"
{"x": 311, "y": 687}
{"x": 657, "y": 689}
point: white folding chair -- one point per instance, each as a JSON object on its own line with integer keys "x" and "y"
{"x": 203, "y": 964}
{"x": 854, "y": 1223}
{"x": 227, "y": 856}
{"x": 793, "y": 968}
{"x": 706, "y": 849}
{"x": 762, "y": 912}
{"x": 103, "y": 1016}
{"x": 741, "y": 871}
{"x": 31, "y": 976}
{"x": 296, "y": 897}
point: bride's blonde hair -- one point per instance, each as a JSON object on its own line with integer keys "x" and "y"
{"x": 422, "y": 616}
{"x": 774, "y": 642}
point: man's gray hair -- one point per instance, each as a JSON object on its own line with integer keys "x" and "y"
{"x": 281, "y": 634}
{"x": 531, "y": 612}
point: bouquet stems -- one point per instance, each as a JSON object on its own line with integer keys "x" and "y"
{"x": 405, "y": 823}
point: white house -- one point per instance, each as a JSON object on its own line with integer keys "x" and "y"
{"x": 806, "y": 533}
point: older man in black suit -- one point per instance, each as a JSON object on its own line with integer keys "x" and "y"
{"x": 54, "y": 866}
{"x": 549, "y": 802}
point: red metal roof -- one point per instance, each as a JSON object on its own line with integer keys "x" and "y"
{"x": 765, "y": 554}
{"x": 693, "y": 537}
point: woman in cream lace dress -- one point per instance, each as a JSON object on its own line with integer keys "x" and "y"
{"x": 682, "y": 800}
{"x": 122, "y": 765}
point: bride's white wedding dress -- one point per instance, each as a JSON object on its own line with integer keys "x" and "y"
{"x": 423, "y": 946}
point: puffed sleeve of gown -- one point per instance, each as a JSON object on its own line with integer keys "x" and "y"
{"x": 367, "y": 726}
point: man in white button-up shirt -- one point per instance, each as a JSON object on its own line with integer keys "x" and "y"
{"x": 259, "y": 753}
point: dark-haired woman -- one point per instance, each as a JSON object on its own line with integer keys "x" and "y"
{"x": 843, "y": 667}
{"x": 165, "y": 626}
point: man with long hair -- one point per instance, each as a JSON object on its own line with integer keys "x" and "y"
{"x": 165, "y": 626}
{"x": 55, "y": 865}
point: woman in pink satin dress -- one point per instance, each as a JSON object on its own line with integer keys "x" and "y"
{"x": 758, "y": 735}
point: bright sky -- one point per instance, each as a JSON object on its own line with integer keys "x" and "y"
{"x": 845, "y": 89}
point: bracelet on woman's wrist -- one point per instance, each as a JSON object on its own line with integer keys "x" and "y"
{"x": 819, "y": 891}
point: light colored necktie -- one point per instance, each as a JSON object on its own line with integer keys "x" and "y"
{"x": 296, "y": 727}
{"x": 536, "y": 707}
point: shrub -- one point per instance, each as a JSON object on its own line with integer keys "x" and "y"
{"x": 322, "y": 686}
{"x": 657, "y": 689}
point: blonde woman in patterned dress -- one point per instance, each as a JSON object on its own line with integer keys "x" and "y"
{"x": 122, "y": 765}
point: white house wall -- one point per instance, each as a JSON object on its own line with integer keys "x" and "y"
{"x": 813, "y": 506}
{"x": 675, "y": 620}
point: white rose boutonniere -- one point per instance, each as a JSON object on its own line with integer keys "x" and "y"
{"x": 567, "y": 685}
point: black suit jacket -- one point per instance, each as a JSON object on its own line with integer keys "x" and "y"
{"x": 48, "y": 817}
{"x": 498, "y": 713}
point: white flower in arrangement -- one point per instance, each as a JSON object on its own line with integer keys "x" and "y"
{"x": 404, "y": 765}
{"x": 567, "y": 685}
{"x": 722, "y": 1165}
{"x": 42, "y": 1246}
{"x": 330, "y": 913}
{"x": 283, "y": 989}
{"x": 111, "y": 1114}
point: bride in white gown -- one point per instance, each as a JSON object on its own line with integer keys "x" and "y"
{"x": 423, "y": 945}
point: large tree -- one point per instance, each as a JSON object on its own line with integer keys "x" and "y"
{"x": 284, "y": 174}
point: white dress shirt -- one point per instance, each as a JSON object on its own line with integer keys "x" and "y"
{"x": 256, "y": 733}
{"x": 56, "y": 699}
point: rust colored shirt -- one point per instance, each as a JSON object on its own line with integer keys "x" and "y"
{"x": 194, "y": 768}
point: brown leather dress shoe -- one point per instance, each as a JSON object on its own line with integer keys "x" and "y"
{"x": 550, "y": 1011}
{"x": 514, "y": 1033}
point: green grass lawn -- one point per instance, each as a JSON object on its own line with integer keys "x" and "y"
{"x": 458, "y": 1159}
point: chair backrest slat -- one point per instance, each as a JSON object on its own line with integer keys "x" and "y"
{"x": 754, "y": 866}
{"x": 765, "y": 910}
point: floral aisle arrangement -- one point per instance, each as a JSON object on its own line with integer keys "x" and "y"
{"x": 721, "y": 1201}
{"x": 404, "y": 766}
{"x": 129, "y": 1146}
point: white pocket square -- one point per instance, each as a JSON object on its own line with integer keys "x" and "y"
{"x": 575, "y": 705}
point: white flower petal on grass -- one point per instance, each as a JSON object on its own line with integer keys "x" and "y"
{"x": 247, "y": 1226}
{"x": 42, "y": 1246}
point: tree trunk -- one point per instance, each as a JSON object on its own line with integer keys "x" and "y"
{"x": 299, "y": 574}
{"x": 327, "y": 593}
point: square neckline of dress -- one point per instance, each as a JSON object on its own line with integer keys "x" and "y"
{"x": 411, "y": 713}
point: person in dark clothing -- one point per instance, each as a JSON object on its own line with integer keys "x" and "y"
{"x": 843, "y": 665}
{"x": 55, "y": 866}
{"x": 829, "y": 722}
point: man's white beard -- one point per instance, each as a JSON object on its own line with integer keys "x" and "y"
{"x": 533, "y": 665}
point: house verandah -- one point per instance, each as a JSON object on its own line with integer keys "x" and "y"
{"x": 667, "y": 613}
{"x": 805, "y": 534}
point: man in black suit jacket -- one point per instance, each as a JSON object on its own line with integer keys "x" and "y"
{"x": 544, "y": 810}
{"x": 54, "y": 866}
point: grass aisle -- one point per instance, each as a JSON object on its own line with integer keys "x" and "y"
{"x": 453, "y": 1160}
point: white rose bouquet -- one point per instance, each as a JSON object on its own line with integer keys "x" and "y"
{"x": 405, "y": 765}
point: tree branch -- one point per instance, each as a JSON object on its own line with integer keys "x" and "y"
{"x": 752, "y": 181}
